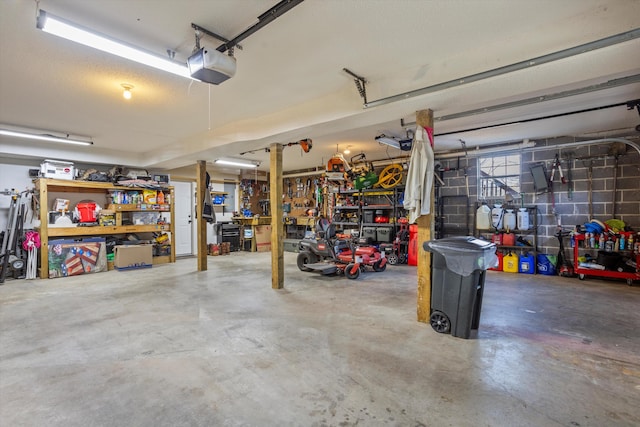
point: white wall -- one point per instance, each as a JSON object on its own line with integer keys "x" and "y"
{"x": 15, "y": 176}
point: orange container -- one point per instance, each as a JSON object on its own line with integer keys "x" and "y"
{"x": 509, "y": 239}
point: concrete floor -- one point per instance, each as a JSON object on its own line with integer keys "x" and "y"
{"x": 170, "y": 346}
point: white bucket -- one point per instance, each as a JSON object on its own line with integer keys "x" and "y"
{"x": 497, "y": 214}
{"x": 510, "y": 220}
{"x": 523, "y": 219}
{"x": 483, "y": 217}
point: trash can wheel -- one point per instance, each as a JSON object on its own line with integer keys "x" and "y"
{"x": 440, "y": 322}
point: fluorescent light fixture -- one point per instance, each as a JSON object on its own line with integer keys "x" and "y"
{"x": 44, "y": 136}
{"x": 400, "y": 144}
{"x": 239, "y": 163}
{"x": 387, "y": 140}
{"x": 62, "y": 28}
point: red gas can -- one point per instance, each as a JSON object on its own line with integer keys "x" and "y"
{"x": 500, "y": 255}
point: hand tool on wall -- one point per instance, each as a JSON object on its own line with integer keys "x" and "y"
{"x": 615, "y": 185}
{"x": 556, "y": 165}
{"x": 569, "y": 176}
{"x": 590, "y": 188}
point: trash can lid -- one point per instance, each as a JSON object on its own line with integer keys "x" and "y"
{"x": 464, "y": 254}
{"x": 459, "y": 244}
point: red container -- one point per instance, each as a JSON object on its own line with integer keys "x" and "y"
{"x": 412, "y": 258}
{"x": 497, "y": 238}
{"x": 509, "y": 239}
{"x": 500, "y": 255}
{"x": 87, "y": 211}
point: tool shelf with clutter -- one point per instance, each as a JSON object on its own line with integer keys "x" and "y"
{"x": 514, "y": 230}
{"x": 603, "y": 251}
{"x": 374, "y": 213}
{"x": 143, "y": 212}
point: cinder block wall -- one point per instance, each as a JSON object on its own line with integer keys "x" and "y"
{"x": 570, "y": 208}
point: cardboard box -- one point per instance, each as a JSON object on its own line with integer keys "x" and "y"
{"x": 263, "y": 238}
{"x": 68, "y": 257}
{"x": 61, "y": 205}
{"x": 57, "y": 169}
{"x": 129, "y": 257}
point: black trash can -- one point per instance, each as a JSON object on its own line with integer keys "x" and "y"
{"x": 458, "y": 268}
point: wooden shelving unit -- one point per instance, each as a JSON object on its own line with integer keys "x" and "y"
{"x": 48, "y": 189}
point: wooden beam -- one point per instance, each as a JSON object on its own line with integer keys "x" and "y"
{"x": 201, "y": 180}
{"x": 277, "y": 227}
{"x": 41, "y": 185}
{"x": 424, "y": 118}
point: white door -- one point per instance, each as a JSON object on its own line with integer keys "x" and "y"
{"x": 185, "y": 226}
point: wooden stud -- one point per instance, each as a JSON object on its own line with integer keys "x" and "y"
{"x": 44, "y": 227}
{"x": 277, "y": 227}
{"x": 424, "y": 118}
{"x": 201, "y": 172}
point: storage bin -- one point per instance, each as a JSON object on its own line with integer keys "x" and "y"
{"x": 71, "y": 257}
{"x": 369, "y": 233}
{"x": 384, "y": 234}
{"x": 87, "y": 211}
{"x": 367, "y": 217}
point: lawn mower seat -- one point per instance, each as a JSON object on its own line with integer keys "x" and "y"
{"x": 324, "y": 229}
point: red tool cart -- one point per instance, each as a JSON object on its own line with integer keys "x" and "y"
{"x": 583, "y": 272}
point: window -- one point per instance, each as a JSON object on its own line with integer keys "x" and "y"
{"x": 498, "y": 176}
{"x": 230, "y": 198}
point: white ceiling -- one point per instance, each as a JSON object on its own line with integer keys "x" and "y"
{"x": 290, "y": 84}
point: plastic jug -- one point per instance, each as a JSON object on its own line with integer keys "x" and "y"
{"x": 510, "y": 220}
{"x": 527, "y": 263}
{"x": 523, "y": 219}
{"x": 483, "y": 217}
{"x": 510, "y": 263}
{"x": 497, "y": 214}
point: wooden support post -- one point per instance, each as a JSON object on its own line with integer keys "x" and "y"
{"x": 277, "y": 227}
{"x": 424, "y": 118}
{"x": 44, "y": 228}
{"x": 201, "y": 172}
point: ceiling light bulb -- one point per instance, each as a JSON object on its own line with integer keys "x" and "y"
{"x": 127, "y": 91}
